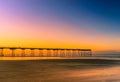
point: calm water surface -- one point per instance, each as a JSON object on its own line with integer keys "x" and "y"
{"x": 60, "y": 70}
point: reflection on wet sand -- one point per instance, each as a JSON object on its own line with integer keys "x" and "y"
{"x": 77, "y": 70}
{"x": 110, "y": 74}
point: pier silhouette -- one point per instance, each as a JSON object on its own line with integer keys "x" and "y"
{"x": 47, "y": 52}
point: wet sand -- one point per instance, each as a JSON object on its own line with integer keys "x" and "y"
{"x": 63, "y": 70}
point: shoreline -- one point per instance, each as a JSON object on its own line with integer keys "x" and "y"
{"x": 57, "y": 58}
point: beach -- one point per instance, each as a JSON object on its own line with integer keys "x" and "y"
{"x": 60, "y": 70}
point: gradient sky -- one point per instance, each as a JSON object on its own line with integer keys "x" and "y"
{"x": 91, "y": 24}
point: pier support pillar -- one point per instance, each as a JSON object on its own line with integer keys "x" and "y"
{"x": 55, "y": 52}
{"x": 23, "y": 53}
{"x": 68, "y": 53}
{"x": 62, "y": 53}
{"x": 40, "y": 53}
{"x": 79, "y": 53}
{"x": 32, "y": 52}
{"x": 13, "y": 52}
{"x": 49, "y": 52}
{"x": 90, "y": 53}
{"x": 65, "y": 53}
{"x": 2, "y": 53}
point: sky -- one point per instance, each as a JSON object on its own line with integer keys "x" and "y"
{"x": 93, "y": 24}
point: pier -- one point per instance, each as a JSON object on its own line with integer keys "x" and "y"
{"x": 46, "y": 52}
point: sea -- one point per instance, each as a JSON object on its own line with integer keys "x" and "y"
{"x": 46, "y": 69}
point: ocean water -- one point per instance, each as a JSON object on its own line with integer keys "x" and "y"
{"x": 60, "y": 70}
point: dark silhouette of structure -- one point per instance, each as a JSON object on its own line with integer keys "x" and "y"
{"x": 48, "y": 52}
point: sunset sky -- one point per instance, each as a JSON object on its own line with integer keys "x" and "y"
{"x": 91, "y": 24}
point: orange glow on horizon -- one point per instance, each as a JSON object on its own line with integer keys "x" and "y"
{"x": 15, "y": 31}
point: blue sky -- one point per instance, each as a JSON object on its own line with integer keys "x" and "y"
{"x": 90, "y": 23}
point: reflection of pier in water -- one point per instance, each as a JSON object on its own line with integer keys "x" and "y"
{"x": 47, "y": 52}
